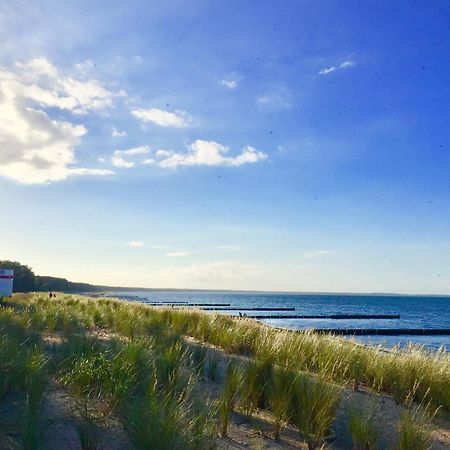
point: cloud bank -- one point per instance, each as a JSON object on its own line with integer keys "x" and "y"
{"x": 34, "y": 147}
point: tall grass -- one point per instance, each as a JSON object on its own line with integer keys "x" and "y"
{"x": 149, "y": 350}
{"x": 89, "y": 435}
{"x": 340, "y": 360}
{"x": 415, "y": 429}
{"x": 160, "y": 420}
{"x": 36, "y": 381}
{"x": 229, "y": 396}
{"x": 257, "y": 385}
{"x": 314, "y": 409}
{"x": 199, "y": 354}
{"x": 212, "y": 367}
{"x": 280, "y": 396}
{"x": 363, "y": 428}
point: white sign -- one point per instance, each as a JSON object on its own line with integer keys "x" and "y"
{"x": 6, "y": 282}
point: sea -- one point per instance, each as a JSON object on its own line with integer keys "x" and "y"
{"x": 416, "y": 312}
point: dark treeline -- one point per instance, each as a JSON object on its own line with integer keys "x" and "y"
{"x": 26, "y": 281}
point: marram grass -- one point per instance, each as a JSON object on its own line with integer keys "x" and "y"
{"x": 147, "y": 373}
{"x": 399, "y": 372}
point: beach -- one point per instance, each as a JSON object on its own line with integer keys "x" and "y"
{"x": 127, "y": 375}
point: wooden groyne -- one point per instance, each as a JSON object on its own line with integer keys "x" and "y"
{"x": 259, "y": 308}
{"x": 326, "y": 316}
{"x": 386, "y": 331}
{"x": 168, "y": 303}
{"x": 187, "y": 305}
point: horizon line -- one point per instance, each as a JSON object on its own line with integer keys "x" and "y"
{"x": 255, "y": 291}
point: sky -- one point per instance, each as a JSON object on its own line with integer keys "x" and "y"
{"x": 282, "y": 146}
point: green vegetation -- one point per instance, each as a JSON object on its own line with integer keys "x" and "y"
{"x": 316, "y": 403}
{"x": 402, "y": 373}
{"x": 363, "y": 429}
{"x": 212, "y": 368}
{"x": 35, "y": 384}
{"x": 133, "y": 362}
{"x": 228, "y": 400}
{"x": 26, "y": 281}
{"x": 414, "y": 435}
{"x": 88, "y": 435}
{"x": 280, "y": 399}
{"x": 415, "y": 429}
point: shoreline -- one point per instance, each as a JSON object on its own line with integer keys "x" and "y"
{"x": 432, "y": 340}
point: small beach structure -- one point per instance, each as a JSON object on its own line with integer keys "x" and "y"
{"x": 6, "y": 282}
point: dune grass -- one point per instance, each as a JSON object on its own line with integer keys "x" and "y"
{"x": 36, "y": 380}
{"x": 315, "y": 404}
{"x": 229, "y": 396}
{"x": 415, "y": 432}
{"x": 363, "y": 428}
{"x": 212, "y": 368}
{"x": 89, "y": 435}
{"x": 148, "y": 374}
{"x": 400, "y": 372}
{"x": 154, "y": 372}
{"x": 280, "y": 399}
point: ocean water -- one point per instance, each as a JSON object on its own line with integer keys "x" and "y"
{"x": 415, "y": 312}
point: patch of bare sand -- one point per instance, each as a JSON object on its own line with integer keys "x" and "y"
{"x": 62, "y": 413}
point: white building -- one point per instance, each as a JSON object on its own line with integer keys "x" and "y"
{"x": 6, "y": 282}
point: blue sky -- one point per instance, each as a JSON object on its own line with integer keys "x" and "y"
{"x": 299, "y": 146}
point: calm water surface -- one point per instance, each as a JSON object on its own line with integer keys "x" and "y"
{"x": 415, "y": 312}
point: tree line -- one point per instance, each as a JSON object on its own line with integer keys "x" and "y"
{"x": 26, "y": 281}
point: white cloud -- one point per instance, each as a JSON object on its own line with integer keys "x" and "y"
{"x": 343, "y": 65}
{"x": 42, "y": 82}
{"x": 212, "y": 272}
{"x": 34, "y": 147}
{"x": 209, "y": 153}
{"x": 117, "y": 133}
{"x": 317, "y": 253}
{"x": 177, "y": 119}
{"x": 85, "y": 67}
{"x": 277, "y": 100}
{"x": 230, "y": 84}
{"x": 164, "y": 153}
{"x": 135, "y": 244}
{"x": 117, "y": 159}
{"x": 141, "y": 150}
{"x": 85, "y": 171}
{"x": 177, "y": 254}
{"x": 231, "y": 275}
